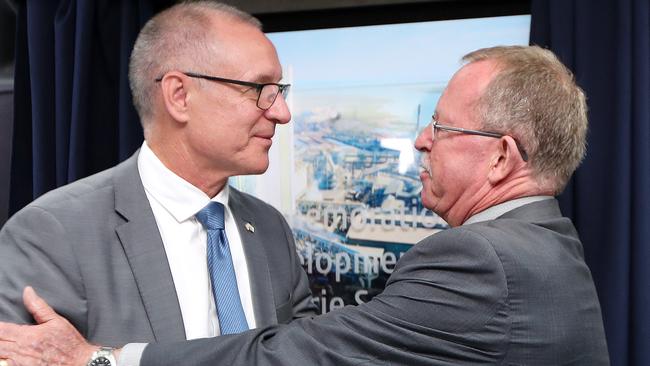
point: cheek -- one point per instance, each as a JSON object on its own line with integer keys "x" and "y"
{"x": 449, "y": 176}
{"x": 439, "y": 169}
{"x": 431, "y": 184}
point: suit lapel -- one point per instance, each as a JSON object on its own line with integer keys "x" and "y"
{"x": 258, "y": 266}
{"x": 146, "y": 255}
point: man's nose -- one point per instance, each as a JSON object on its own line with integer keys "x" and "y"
{"x": 423, "y": 142}
{"x": 279, "y": 111}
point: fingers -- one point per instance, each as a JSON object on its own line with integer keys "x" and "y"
{"x": 22, "y": 354}
{"x": 54, "y": 341}
{"x": 40, "y": 310}
{"x": 8, "y": 353}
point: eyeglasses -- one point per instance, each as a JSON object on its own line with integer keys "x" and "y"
{"x": 267, "y": 93}
{"x": 435, "y": 125}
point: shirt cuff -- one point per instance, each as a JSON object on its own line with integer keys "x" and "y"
{"x": 131, "y": 354}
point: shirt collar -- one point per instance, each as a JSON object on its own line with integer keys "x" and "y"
{"x": 176, "y": 195}
{"x": 493, "y": 212}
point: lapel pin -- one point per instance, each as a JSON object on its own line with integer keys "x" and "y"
{"x": 250, "y": 227}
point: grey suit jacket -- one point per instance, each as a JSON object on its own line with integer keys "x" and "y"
{"x": 93, "y": 251}
{"x": 510, "y": 291}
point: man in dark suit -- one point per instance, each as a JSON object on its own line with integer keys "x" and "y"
{"x": 123, "y": 254}
{"x": 506, "y": 285}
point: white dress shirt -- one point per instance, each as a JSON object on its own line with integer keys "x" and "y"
{"x": 174, "y": 202}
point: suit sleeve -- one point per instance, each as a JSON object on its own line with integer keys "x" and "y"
{"x": 34, "y": 252}
{"x": 443, "y": 305}
{"x": 303, "y": 305}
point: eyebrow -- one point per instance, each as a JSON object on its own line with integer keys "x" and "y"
{"x": 266, "y": 78}
{"x": 259, "y": 77}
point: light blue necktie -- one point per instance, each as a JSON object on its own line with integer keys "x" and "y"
{"x": 222, "y": 273}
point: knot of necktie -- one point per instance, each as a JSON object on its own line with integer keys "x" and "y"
{"x": 211, "y": 216}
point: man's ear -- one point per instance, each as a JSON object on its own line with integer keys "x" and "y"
{"x": 175, "y": 95}
{"x": 505, "y": 160}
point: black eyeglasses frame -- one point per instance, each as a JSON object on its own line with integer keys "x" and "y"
{"x": 282, "y": 88}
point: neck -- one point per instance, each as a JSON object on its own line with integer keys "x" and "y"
{"x": 178, "y": 158}
{"x": 488, "y": 195}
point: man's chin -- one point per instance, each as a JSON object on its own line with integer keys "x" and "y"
{"x": 429, "y": 200}
{"x": 258, "y": 168}
{"x": 426, "y": 201}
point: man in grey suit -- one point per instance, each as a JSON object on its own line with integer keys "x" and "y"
{"x": 121, "y": 254}
{"x": 506, "y": 285}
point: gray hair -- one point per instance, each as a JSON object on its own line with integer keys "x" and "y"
{"x": 534, "y": 98}
{"x": 178, "y": 38}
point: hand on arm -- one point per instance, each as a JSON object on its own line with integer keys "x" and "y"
{"x": 53, "y": 341}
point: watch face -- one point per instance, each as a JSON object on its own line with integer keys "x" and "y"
{"x": 101, "y": 361}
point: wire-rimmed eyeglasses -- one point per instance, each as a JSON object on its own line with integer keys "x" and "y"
{"x": 267, "y": 93}
{"x": 435, "y": 125}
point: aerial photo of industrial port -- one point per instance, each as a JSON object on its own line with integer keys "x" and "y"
{"x": 358, "y": 209}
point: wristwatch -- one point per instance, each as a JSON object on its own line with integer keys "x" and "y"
{"x": 103, "y": 357}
